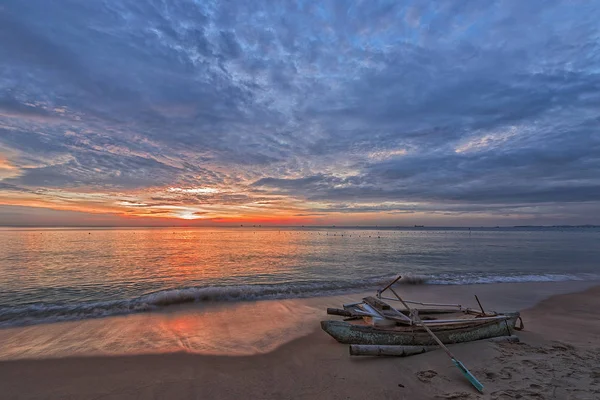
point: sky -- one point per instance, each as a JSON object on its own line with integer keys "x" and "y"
{"x": 449, "y": 113}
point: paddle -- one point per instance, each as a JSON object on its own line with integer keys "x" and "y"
{"x": 456, "y": 362}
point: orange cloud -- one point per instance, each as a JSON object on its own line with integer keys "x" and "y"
{"x": 166, "y": 204}
{"x": 5, "y": 164}
{"x": 266, "y": 220}
{"x": 7, "y": 170}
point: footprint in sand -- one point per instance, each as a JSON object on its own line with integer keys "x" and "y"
{"x": 506, "y": 373}
{"x": 529, "y": 363}
{"x": 515, "y": 394}
{"x": 563, "y": 347}
{"x": 425, "y": 376}
{"x": 536, "y": 386}
{"x": 454, "y": 396}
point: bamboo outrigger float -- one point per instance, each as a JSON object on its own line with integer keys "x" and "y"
{"x": 374, "y": 327}
{"x": 405, "y": 351}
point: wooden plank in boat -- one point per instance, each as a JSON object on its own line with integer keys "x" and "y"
{"x": 386, "y": 310}
{"x": 376, "y": 303}
{"x": 401, "y": 318}
{"x": 354, "y": 313}
{"x": 466, "y": 320}
{"x": 377, "y": 319}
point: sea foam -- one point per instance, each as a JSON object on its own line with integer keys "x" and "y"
{"x": 44, "y": 312}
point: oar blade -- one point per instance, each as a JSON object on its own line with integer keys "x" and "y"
{"x": 468, "y": 375}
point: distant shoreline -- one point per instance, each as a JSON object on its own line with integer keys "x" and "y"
{"x": 257, "y": 226}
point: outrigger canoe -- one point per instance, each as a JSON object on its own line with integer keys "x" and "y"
{"x": 375, "y": 322}
{"x": 448, "y": 327}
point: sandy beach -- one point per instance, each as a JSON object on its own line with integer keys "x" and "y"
{"x": 557, "y": 357}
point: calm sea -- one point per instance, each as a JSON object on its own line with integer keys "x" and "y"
{"x": 65, "y": 274}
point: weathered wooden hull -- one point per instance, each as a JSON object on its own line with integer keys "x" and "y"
{"x": 348, "y": 333}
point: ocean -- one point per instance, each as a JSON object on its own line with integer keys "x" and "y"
{"x": 50, "y": 275}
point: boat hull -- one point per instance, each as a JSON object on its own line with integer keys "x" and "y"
{"x": 348, "y": 333}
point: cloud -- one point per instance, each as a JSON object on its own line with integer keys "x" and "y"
{"x": 298, "y": 183}
{"x": 12, "y": 108}
{"x": 303, "y": 107}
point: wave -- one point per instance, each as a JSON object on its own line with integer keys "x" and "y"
{"x": 414, "y": 279}
{"x": 453, "y": 279}
{"x": 45, "y": 312}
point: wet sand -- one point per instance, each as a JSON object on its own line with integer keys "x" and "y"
{"x": 557, "y": 358}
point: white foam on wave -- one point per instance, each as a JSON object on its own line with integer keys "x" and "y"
{"x": 475, "y": 279}
{"x": 43, "y": 313}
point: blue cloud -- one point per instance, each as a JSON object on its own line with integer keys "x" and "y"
{"x": 452, "y": 106}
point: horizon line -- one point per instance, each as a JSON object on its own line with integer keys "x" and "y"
{"x": 305, "y": 226}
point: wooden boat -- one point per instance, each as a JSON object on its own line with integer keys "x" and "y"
{"x": 375, "y": 322}
{"x": 449, "y": 328}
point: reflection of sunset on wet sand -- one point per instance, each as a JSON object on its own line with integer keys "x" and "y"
{"x": 226, "y": 329}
